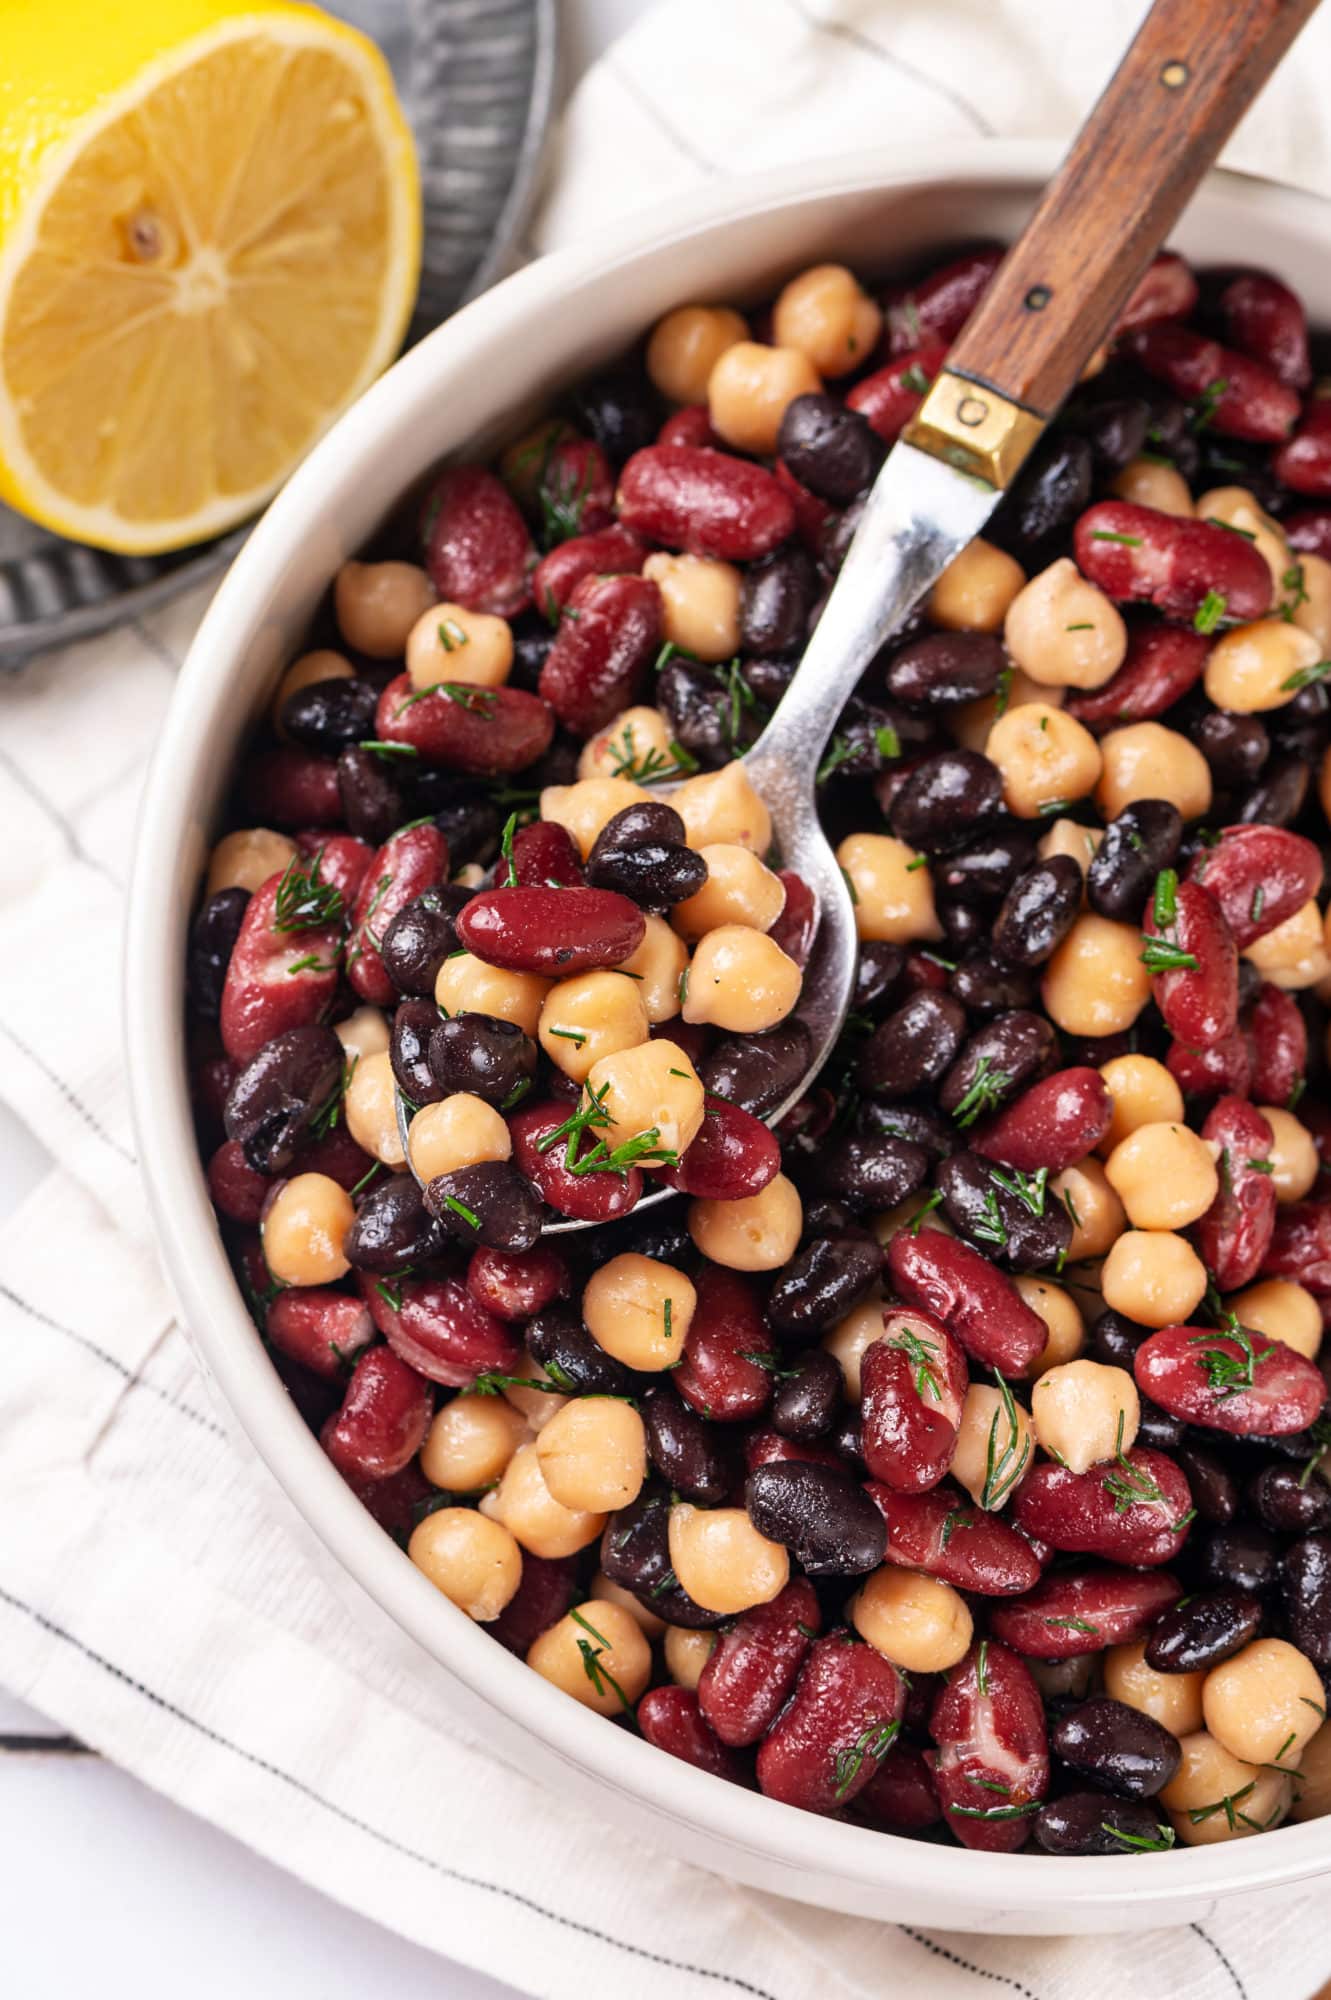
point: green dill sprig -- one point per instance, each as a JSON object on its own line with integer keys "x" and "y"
{"x": 987, "y": 1089}
{"x": 303, "y": 901}
{"x": 1002, "y": 1469}
{"x": 875, "y": 1742}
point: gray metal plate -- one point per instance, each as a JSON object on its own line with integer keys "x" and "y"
{"x": 478, "y": 81}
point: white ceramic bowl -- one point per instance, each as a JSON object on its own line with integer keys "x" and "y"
{"x": 458, "y": 392}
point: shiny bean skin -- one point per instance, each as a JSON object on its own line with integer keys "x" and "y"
{"x": 1137, "y": 845}
{"x": 829, "y": 447}
{"x": 869, "y": 1171}
{"x": 1135, "y": 1511}
{"x": 635, "y": 1553}
{"x": 1305, "y": 1579}
{"x": 945, "y": 799}
{"x": 979, "y": 1201}
{"x": 755, "y": 1664}
{"x": 778, "y": 595}
{"x": 490, "y": 1203}
{"x": 977, "y": 1304}
{"x": 1222, "y": 1382}
{"x": 1138, "y": 554}
{"x": 999, "y": 1059}
{"x": 821, "y": 1285}
{"x": 393, "y": 1229}
{"x": 1285, "y": 1504}
{"x": 483, "y": 1056}
{"x": 913, "y": 1385}
{"x": 1116, "y": 1747}
{"x": 841, "y": 1719}
{"x": 1285, "y": 867}
{"x": 1055, "y": 1123}
{"x": 1069, "y": 1611}
{"x": 704, "y": 503}
{"x": 689, "y": 1453}
{"x": 1242, "y": 1558}
{"x": 383, "y": 1419}
{"x": 935, "y": 1531}
{"x": 273, "y": 1100}
{"x": 1163, "y": 662}
{"x": 1038, "y": 911}
{"x": 1089, "y": 1823}
{"x": 1202, "y": 1630}
{"x": 830, "y": 1525}
{"x": 757, "y": 1071}
{"x": 420, "y": 937}
{"x": 988, "y": 1724}
{"x": 670, "y": 1718}
{"x": 914, "y": 1046}
{"x": 213, "y": 937}
{"x": 807, "y": 1397}
{"x": 1235, "y": 1233}
{"x": 944, "y": 670}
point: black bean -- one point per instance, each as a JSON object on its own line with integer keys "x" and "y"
{"x": 1004, "y": 1056}
{"x": 846, "y": 1439}
{"x": 963, "y": 925}
{"x": 656, "y": 874}
{"x": 1090, "y": 1823}
{"x": 621, "y": 411}
{"x": 1203, "y": 1630}
{"x": 1286, "y": 1503}
{"x": 987, "y": 984}
{"x": 776, "y": 600}
{"x": 481, "y": 1054}
{"x": 1051, "y": 490}
{"x": 635, "y": 1553}
{"x": 984, "y": 872}
{"x": 807, "y": 1396}
{"x": 371, "y": 801}
{"x": 1157, "y": 1429}
{"x": 1117, "y": 1747}
{"x": 1215, "y": 1492}
{"x": 1092, "y": 1051}
{"x": 329, "y": 715}
{"x": 574, "y": 1361}
{"x": 421, "y": 936}
{"x": 757, "y": 1071}
{"x": 878, "y": 969}
{"x": 1038, "y": 911}
{"x": 647, "y": 822}
{"x": 832, "y": 450}
{"x": 409, "y": 1051}
{"x": 1115, "y": 1340}
{"x": 1240, "y": 1558}
{"x": 1306, "y": 1586}
{"x": 944, "y": 799}
{"x": 1137, "y": 845}
{"x": 532, "y": 640}
{"x": 821, "y": 1285}
{"x": 1170, "y": 433}
{"x": 1278, "y": 797}
{"x": 868, "y": 1171}
{"x": 946, "y": 669}
{"x": 490, "y": 1203}
{"x": 1235, "y": 746}
{"x": 914, "y": 1045}
{"x": 393, "y": 1229}
{"x": 463, "y": 812}
{"x": 212, "y": 940}
{"x": 1115, "y": 429}
{"x": 907, "y": 1121}
{"x": 712, "y": 722}
{"x": 695, "y": 1458}
{"x": 1024, "y": 1231}
{"x": 830, "y": 1524}
{"x": 825, "y": 1217}
{"x": 661, "y": 1233}
{"x": 870, "y": 740}
{"x": 270, "y": 1105}
{"x": 1250, "y": 984}
{"x": 769, "y": 678}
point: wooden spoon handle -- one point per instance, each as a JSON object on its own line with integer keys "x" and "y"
{"x": 1194, "y": 68}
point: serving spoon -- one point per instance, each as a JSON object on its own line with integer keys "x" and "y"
{"x": 1185, "y": 81}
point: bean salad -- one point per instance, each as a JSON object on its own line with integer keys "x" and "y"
{"x": 951, "y": 1455}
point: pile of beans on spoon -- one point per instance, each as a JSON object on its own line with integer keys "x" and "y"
{"x": 951, "y": 1457}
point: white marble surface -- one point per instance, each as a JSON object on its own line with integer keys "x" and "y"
{"x": 165, "y": 1903}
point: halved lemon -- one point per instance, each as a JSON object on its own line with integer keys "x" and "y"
{"x": 209, "y": 245}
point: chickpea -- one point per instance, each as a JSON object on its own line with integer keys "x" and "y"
{"x": 994, "y": 1447}
{"x": 971, "y": 723}
{"x": 377, "y": 604}
{"x": 825, "y": 314}
{"x": 1257, "y": 667}
{"x": 597, "y": 1654}
{"x": 592, "y": 1015}
{"x": 1095, "y": 983}
{"x": 475, "y": 1562}
{"x": 1293, "y": 955}
{"x": 1147, "y": 761}
{"x": 975, "y": 590}
{"x": 722, "y": 1561}
{"x": 1313, "y": 1792}
{"x": 1165, "y": 1176}
{"x": 1064, "y": 631}
{"x": 1314, "y": 613}
{"x": 593, "y": 1454}
{"x": 740, "y": 889}
{"x": 1207, "y": 1772}
{"x": 656, "y": 968}
{"x": 1235, "y": 507}
{"x": 1067, "y": 1329}
{"x": 750, "y": 389}
{"x": 1043, "y": 757}
{"x": 1148, "y": 483}
{"x": 1265, "y": 1806}
{"x": 889, "y": 1220}
{"x": 1097, "y": 1213}
{"x": 1174, "y": 1700}
{"x": 524, "y": 1504}
{"x": 1143, "y": 1093}
{"x": 700, "y": 603}
{"x": 686, "y": 345}
{"x": 303, "y": 1229}
{"x": 364, "y": 1033}
{"x": 470, "y": 1442}
{"x": 307, "y": 671}
{"x": 537, "y": 1407}
{"x": 759, "y": 1232}
{"x": 370, "y": 1106}
{"x": 1154, "y": 1277}
{"x": 850, "y": 1337}
{"x": 458, "y": 1131}
{"x": 740, "y": 980}
{"x": 893, "y": 899}
{"x": 1084, "y": 1412}
{"x": 1282, "y": 1310}
{"x": 467, "y": 985}
{"x": 687, "y": 1653}
{"x": 1215, "y": 1796}
{"x": 634, "y": 738}
{"x": 652, "y": 1088}
{"x": 584, "y": 808}
{"x": 606, "y": 1592}
{"x": 247, "y": 859}
{"x": 451, "y": 643}
{"x": 1293, "y": 1155}
{"x": 640, "y": 1311}
{"x": 918, "y": 1622}
{"x": 1265, "y": 1703}
{"x": 722, "y": 808}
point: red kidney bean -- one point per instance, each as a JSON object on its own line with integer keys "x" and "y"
{"x": 321, "y": 1328}
{"x": 1309, "y": 530}
{"x": 704, "y": 502}
{"x": 383, "y": 1419}
{"x": 575, "y": 490}
{"x": 814, "y": 519}
{"x": 754, "y": 1664}
{"x": 584, "y": 1197}
{"x": 1259, "y": 875}
{"x": 1301, "y": 1245}
{"x": 1117, "y": 1747}
{"x": 477, "y": 549}
{"x": 488, "y": 732}
{"x": 608, "y": 552}
{"x": 1081, "y": 1611}
{"x": 937, "y": 306}
{"x": 342, "y": 859}
{"x": 901, "y": 1796}
{"x": 938, "y": 1533}
{"x": 671, "y": 1718}
{"x": 1053, "y": 1124}
{"x": 513, "y": 1285}
{"x": 1304, "y": 463}
{"x": 1161, "y": 664}
{"x": 1203, "y": 1072}
{"x": 992, "y": 1764}
{"x": 1198, "y": 993}
{"x": 1234, "y": 1235}
{"x": 608, "y": 636}
{"x": 336, "y": 1154}
{"x": 291, "y": 787}
{"x": 733, "y": 1156}
{"x": 543, "y": 854}
{"x": 691, "y": 425}
{"x": 1235, "y": 1381}
{"x": 890, "y": 396}
{"x": 1200, "y": 1631}
{"x": 409, "y": 863}
{"x": 829, "y": 1524}
{"x": 1137, "y": 554}
{"x": 1166, "y": 290}
{"x": 914, "y": 1384}
{"x": 238, "y": 1190}
{"x": 1263, "y": 318}
{"x": 436, "y": 1326}
{"x": 1306, "y": 1588}
{"x": 1133, "y": 1509}
{"x": 977, "y": 1304}
{"x": 842, "y": 1719}
{"x": 396, "y": 1502}
{"x": 1279, "y": 1038}
{"x": 715, "y": 1376}
{"x": 1241, "y": 397}
{"x": 555, "y": 932}
{"x": 547, "y": 1589}
{"x": 794, "y": 929}
{"x": 283, "y": 971}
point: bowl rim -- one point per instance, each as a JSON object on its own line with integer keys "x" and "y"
{"x": 214, "y": 1315}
